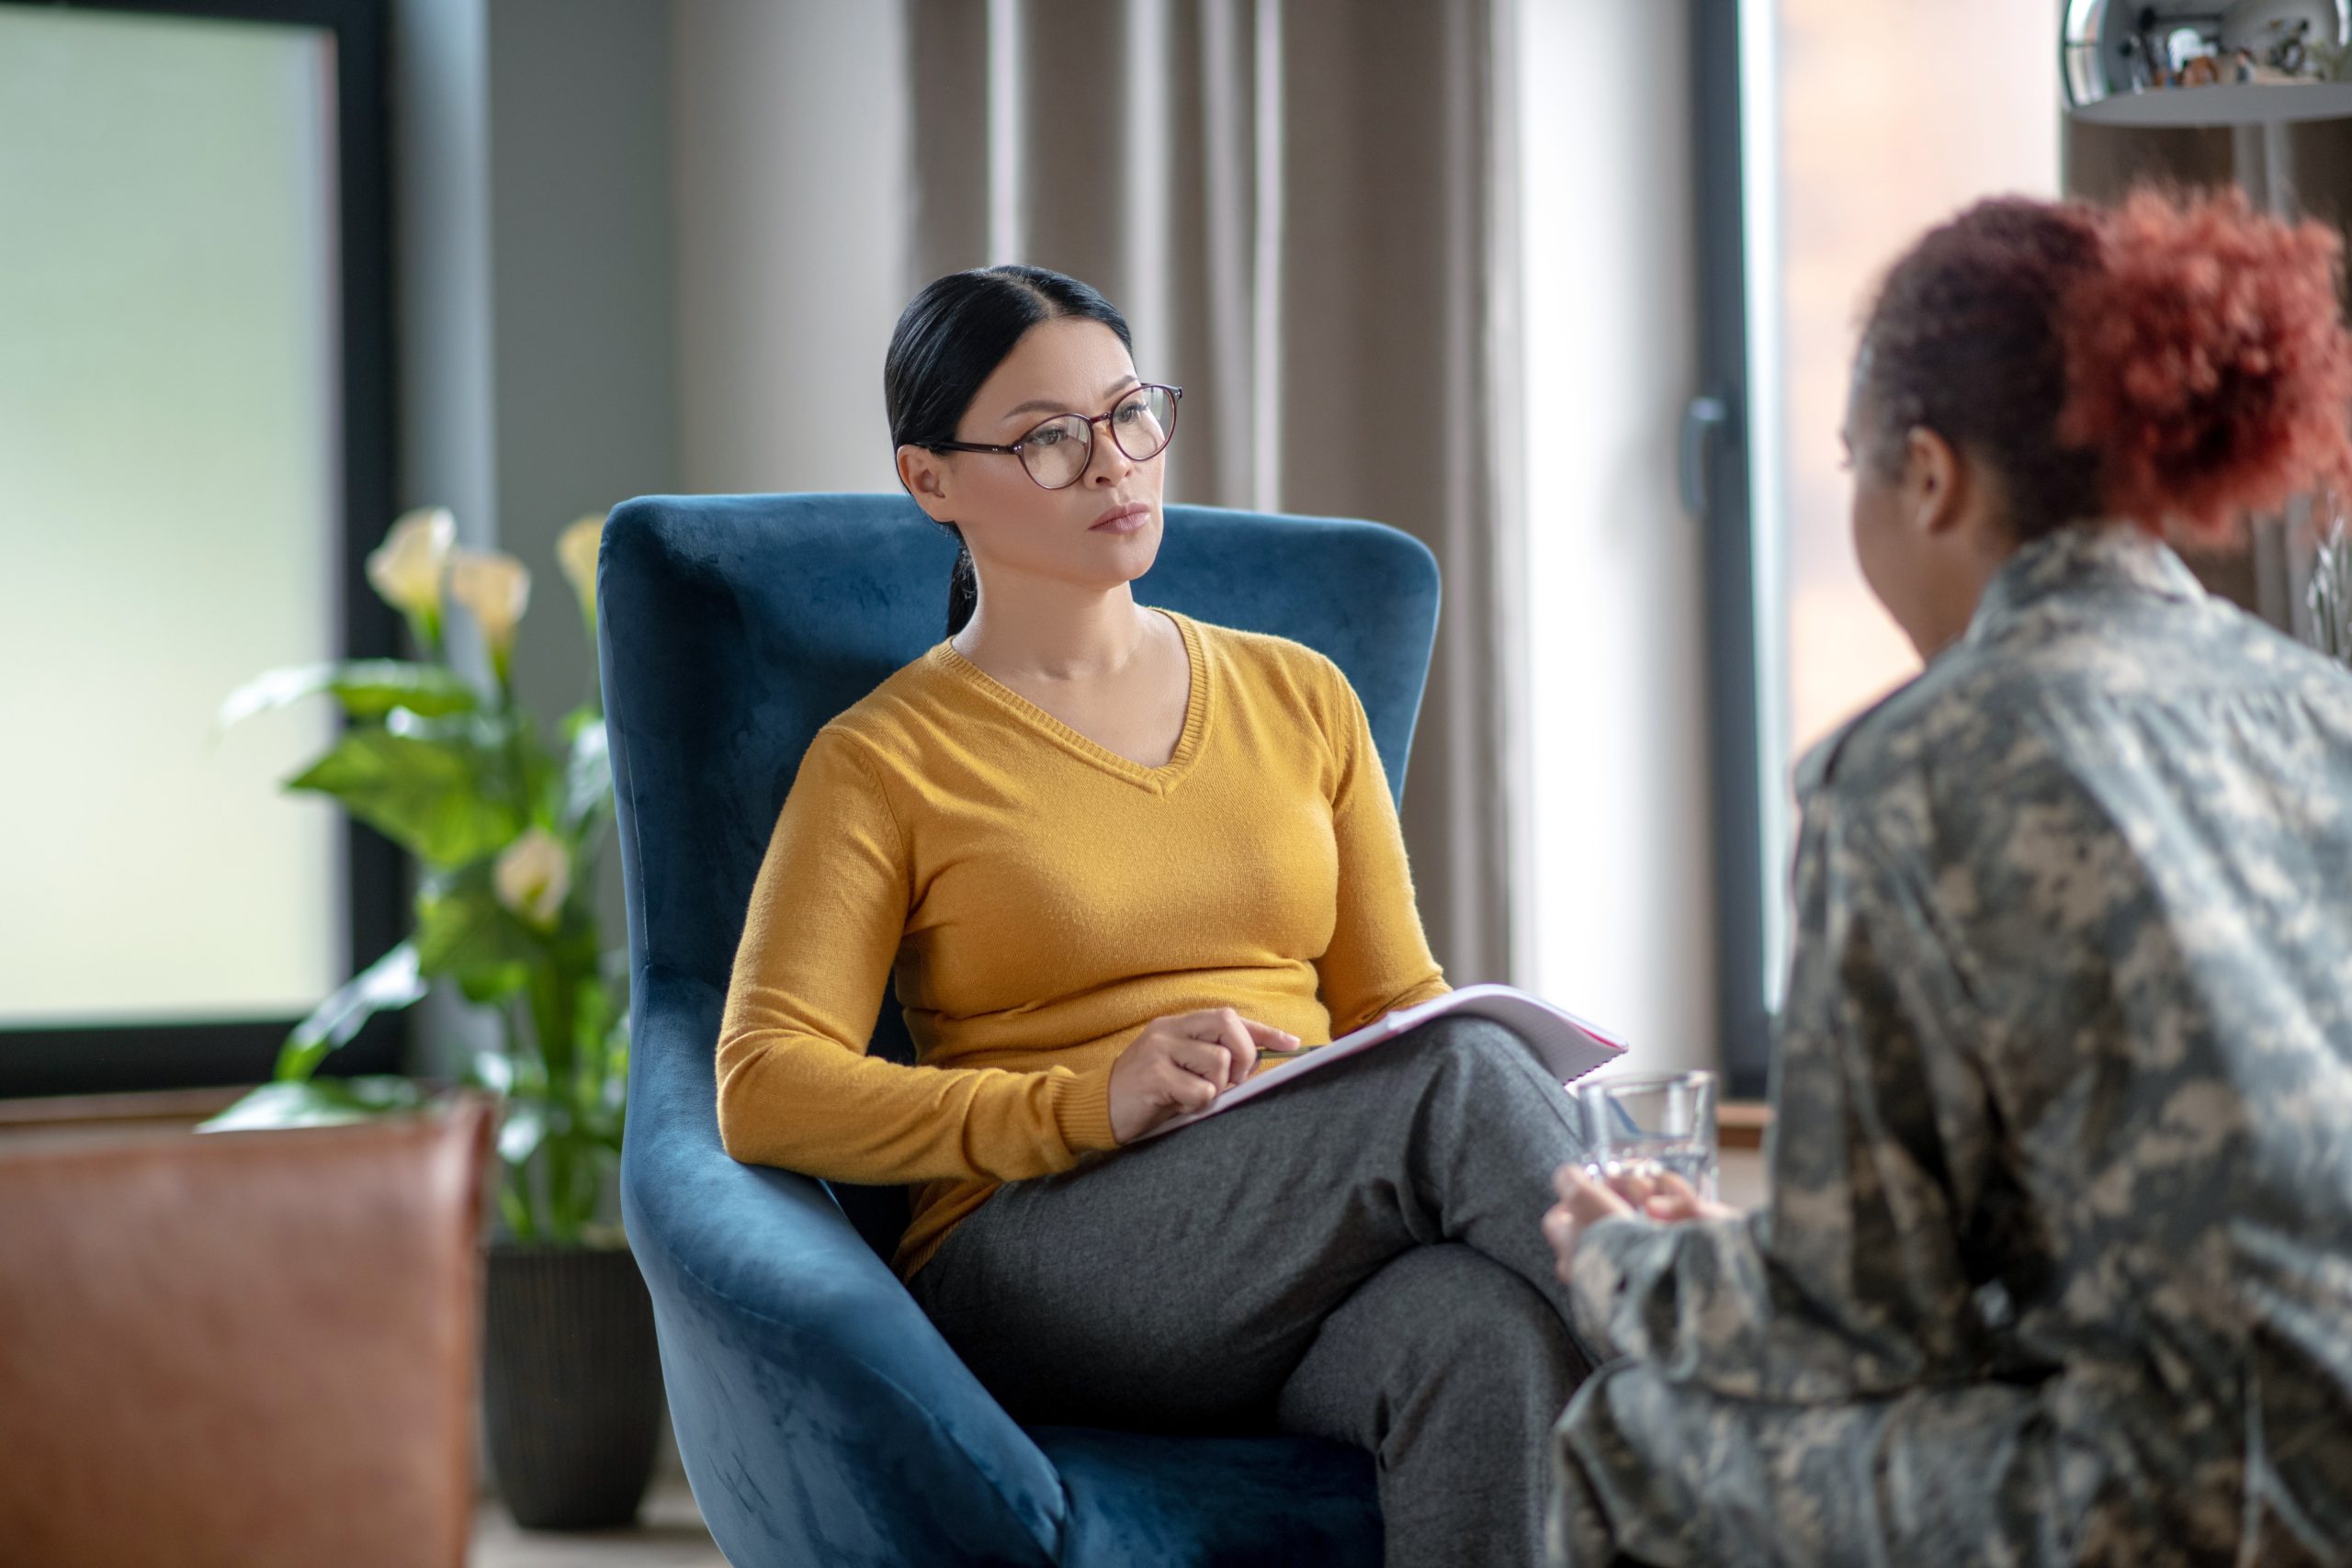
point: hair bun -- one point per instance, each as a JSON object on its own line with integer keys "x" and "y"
{"x": 2207, "y": 362}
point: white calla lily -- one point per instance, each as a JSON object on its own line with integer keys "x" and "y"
{"x": 496, "y": 589}
{"x": 408, "y": 567}
{"x": 533, "y": 878}
{"x": 575, "y": 551}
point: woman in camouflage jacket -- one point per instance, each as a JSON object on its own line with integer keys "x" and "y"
{"x": 2057, "y": 1265}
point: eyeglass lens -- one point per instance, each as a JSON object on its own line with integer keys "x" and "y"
{"x": 1057, "y": 452}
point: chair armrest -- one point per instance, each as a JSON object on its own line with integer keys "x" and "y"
{"x": 821, "y": 1416}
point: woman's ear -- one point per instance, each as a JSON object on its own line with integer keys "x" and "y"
{"x": 925, "y": 476}
{"x": 1931, "y": 481}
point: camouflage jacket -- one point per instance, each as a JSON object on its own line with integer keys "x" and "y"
{"x": 2064, "y": 1086}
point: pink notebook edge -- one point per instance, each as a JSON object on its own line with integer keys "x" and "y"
{"x": 1404, "y": 1021}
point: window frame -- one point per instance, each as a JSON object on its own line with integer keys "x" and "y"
{"x": 111, "y": 1057}
{"x": 1718, "y": 451}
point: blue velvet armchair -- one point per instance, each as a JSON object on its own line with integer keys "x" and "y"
{"x": 821, "y": 1418}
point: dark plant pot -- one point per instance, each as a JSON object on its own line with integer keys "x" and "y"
{"x": 571, "y": 1384}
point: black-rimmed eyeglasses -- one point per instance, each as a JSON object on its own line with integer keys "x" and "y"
{"x": 1057, "y": 452}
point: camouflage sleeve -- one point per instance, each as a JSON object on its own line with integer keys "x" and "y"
{"x": 1854, "y": 1280}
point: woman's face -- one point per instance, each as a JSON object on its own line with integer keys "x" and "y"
{"x": 1099, "y": 532}
{"x": 1897, "y": 508}
{"x": 1882, "y": 543}
{"x": 1930, "y": 526}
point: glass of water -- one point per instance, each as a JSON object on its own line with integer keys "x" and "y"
{"x": 1653, "y": 1125}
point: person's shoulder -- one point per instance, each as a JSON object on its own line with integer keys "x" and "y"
{"x": 1958, "y": 744}
{"x": 2254, "y": 655}
{"x": 842, "y": 755}
{"x": 1861, "y": 747}
{"x": 1944, "y": 722}
{"x": 889, "y": 726}
{"x": 1268, "y": 660}
{"x": 1288, "y": 680}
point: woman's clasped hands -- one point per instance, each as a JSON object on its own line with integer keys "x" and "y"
{"x": 1588, "y": 1197}
{"x": 1179, "y": 1065}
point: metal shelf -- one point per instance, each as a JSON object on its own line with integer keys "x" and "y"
{"x": 2221, "y": 105}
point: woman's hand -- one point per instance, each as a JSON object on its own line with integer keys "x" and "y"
{"x": 1662, "y": 1196}
{"x": 1620, "y": 1190}
{"x": 1179, "y": 1065}
{"x": 1584, "y": 1202}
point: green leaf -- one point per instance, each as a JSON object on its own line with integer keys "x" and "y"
{"x": 462, "y": 930}
{"x": 367, "y": 689}
{"x": 542, "y": 778}
{"x": 319, "y": 1102}
{"x": 430, "y": 796}
{"x": 487, "y": 984}
{"x": 530, "y": 1073}
{"x": 514, "y": 766}
{"x": 516, "y": 1209}
{"x": 587, "y": 778}
{"x": 491, "y": 1070}
{"x": 524, "y": 1130}
{"x": 392, "y": 982}
{"x": 569, "y": 725}
{"x": 592, "y": 1013}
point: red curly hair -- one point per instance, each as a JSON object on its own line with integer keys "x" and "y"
{"x": 2180, "y": 360}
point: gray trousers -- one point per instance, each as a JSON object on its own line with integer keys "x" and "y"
{"x": 1355, "y": 1255}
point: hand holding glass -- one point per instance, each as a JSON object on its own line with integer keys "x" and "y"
{"x": 1651, "y": 1127}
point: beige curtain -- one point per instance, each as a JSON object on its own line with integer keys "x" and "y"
{"x": 1302, "y": 207}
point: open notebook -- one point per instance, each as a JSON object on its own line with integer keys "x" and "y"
{"x": 1569, "y": 1047}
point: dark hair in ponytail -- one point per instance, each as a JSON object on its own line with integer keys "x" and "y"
{"x": 2180, "y": 360}
{"x": 949, "y": 341}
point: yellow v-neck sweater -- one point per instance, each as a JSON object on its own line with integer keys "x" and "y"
{"x": 1039, "y": 899}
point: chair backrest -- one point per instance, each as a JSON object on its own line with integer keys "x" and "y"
{"x": 252, "y": 1348}
{"x": 733, "y": 627}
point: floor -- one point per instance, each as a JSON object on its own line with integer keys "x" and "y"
{"x": 669, "y": 1534}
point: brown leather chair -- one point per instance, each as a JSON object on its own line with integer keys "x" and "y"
{"x": 249, "y": 1349}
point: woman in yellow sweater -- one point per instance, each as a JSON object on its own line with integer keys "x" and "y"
{"x": 1113, "y": 857}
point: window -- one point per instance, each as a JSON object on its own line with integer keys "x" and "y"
{"x": 1832, "y": 132}
{"x": 193, "y": 455}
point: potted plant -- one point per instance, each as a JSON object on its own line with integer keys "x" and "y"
{"x": 506, "y": 825}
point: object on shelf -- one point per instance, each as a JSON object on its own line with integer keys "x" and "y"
{"x": 2119, "y": 48}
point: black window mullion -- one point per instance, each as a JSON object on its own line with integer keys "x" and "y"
{"x": 1717, "y": 471}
